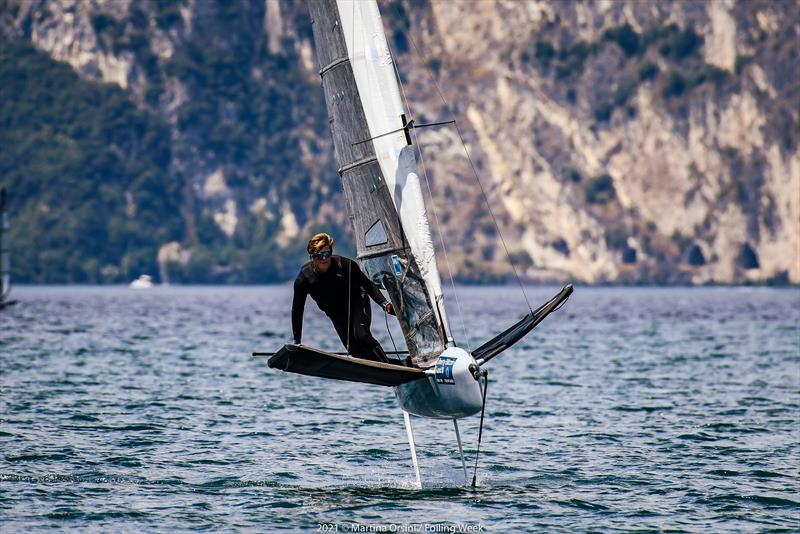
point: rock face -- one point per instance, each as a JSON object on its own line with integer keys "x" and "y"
{"x": 623, "y": 142}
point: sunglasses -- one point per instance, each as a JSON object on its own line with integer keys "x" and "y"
{"x": 322, "y": 255}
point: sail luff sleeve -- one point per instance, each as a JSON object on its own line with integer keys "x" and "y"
{"x": 379, "y": 92}
{"x": 384, "y": 250}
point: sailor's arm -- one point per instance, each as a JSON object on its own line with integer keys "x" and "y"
{"x": 298, "y": 306}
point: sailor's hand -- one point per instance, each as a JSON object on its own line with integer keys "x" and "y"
{"x": 389, "y": 308}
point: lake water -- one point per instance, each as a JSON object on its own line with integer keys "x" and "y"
{"x": 628, "y": 409}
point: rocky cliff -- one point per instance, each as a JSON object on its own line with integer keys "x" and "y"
{"x": 633, "y": 142}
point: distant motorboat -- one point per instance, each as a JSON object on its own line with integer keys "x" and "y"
{"x": 144, "y": 281}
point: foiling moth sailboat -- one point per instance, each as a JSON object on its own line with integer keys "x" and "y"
{"x": 5, "y": 263}
{"x": 377, "y": 165}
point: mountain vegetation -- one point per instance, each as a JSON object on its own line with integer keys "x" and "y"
{"x": 621, "y": 142}
{"x": 87, "y": 174}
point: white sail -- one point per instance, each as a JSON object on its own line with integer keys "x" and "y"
{"x": 379, "y": 92}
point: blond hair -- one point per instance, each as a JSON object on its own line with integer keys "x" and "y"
{"x": 318, "y": 242}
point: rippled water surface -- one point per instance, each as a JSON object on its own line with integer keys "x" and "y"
{"x": 628, "y": 409}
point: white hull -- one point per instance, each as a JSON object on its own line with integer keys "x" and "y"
{"x": 450, "y": 391}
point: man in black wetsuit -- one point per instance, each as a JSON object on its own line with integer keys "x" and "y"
{"x": 340, "y": 290}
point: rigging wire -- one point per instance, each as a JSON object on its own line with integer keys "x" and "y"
{"x": 494, "y": 219}
{"x": 559, "y": 306}
{"x": 386, "y": 318}
{"x": 349, "y": 294}
{"x": 485, "y": 388}
{"x": 472, "y": 165}
{"x": 433, "y": 204}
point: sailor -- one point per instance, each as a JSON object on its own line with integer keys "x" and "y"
{"x": 340, "y": 290}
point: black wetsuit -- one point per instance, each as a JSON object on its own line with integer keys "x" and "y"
{"x": 343, "y": 285}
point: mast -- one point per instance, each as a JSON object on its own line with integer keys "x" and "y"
{"x": 5, "y": 263}
{"x": 378, "y": 171}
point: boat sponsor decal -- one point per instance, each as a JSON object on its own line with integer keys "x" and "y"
{"x": 398, "y": 268}
{"x": 444, "y": 370}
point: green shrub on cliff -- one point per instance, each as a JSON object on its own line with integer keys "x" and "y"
{"x": 600, "y": 190}
{"x": 86, "y": 173}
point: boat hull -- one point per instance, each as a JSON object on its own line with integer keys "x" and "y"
{"x": 451, "y": 392}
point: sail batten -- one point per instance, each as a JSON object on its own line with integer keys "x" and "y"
{"x": 378, "y": 169}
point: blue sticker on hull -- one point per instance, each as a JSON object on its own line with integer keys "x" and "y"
{"x": 444, "y": 370}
